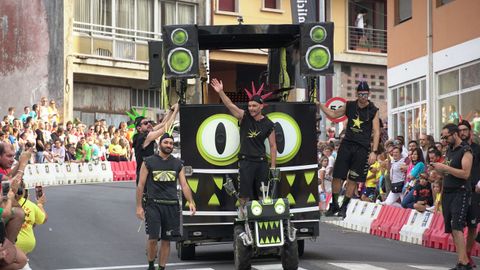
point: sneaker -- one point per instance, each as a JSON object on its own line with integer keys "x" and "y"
{"x": 343, "y": 212}
{"x": 460, "y": 266}
{"x": 332, "y": 210}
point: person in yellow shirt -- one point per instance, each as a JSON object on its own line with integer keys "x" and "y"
{"x": 373, "y": 175}
{"x": 35, "y": 214}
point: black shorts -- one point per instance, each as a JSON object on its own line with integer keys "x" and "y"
{"x": 455, "y": 207}
{"x": 251, "y": 174}
{"x": 370, "y": 193}
{"x": 474, "y": 211}
{"x": 352, "y": 161}
{"x": 163, "y": 221}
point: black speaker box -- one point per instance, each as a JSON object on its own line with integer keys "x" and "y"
{"x": 180, "y": 51}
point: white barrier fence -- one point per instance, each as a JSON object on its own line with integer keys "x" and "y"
{"x": 50, "y": 174}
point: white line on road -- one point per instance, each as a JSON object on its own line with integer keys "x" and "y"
{"x": 357, "y": 266}
{"x": 271, "y": 267}
{"x": 145, "y": 265}
{"x": 428, "y": 267}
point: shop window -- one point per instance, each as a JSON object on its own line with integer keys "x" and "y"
{"x": 470, "y": 104}
{"x": 448, "y": 82}
{"x": 448, "y": 110}
{"x": 470, "y": 76}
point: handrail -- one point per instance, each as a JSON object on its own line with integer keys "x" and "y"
{"x": 367, "y": 39}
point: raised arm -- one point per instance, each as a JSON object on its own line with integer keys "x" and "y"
{"x": 234, "y": 110}
{"x": 155, "y": 134}
{"x": 167, "y": 117}
{"x": 332, "y": 113}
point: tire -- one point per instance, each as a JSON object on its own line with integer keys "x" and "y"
{"x": 186, "y": 252}
{"x": 289, "y": 253}
{"x": 301, "y": 247}
{"x": 242, "y": 255}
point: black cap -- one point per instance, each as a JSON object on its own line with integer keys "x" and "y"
{"x": 465, "y": 123}
{"x": 363, "y": 86}
{"x": 138, "y": 120}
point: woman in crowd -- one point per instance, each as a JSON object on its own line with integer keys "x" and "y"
{"x": 415, "y": 169}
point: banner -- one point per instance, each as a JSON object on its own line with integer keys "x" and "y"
{"x": 304, "y": 11}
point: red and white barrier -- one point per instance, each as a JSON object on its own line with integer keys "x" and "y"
{"x": 417, "y": 224}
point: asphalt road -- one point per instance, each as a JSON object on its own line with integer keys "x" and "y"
{"x": 94, "y": 227}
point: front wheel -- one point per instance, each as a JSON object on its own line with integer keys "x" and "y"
{"x": 242, "y": 255}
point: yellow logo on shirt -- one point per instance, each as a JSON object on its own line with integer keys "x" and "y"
{"x": 253, "y": 134}
{"x": 164, "y": 176}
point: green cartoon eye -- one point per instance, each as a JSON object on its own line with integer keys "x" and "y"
{"x": 218, "y": 139}
{"x": 179, "y": 36}
{"x": 256, "y": 208}
{"x": 287, "y": 135}
{"x": 280, "y": 207}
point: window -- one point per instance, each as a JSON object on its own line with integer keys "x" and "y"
{"x": 93, "y": 12}
{"x": 443, "y": 2}
{"x": 271, "y": 4}
{"x": 448, "y": 82}
{"x": 145, "y": 98}
{"x": 227, "y": 5}
{"x": 403, "y": 10}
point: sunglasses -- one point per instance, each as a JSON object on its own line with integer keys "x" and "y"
{"x": 445, "y": 137}
{"x": 147, "y": 122}
{"x": 363, "y": 95}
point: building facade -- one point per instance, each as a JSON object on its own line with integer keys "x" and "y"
{"x": 91, "y": 56}
{"x": 433, "y": 65}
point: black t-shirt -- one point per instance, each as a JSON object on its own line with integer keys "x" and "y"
{"x": 360, "y": 123}
{"x": 39, "y": 138}
{"x": 475, "y": 172}
{"x": 162, "y": 177}
{"x": 252, "y": 136}
{"x": 140, "y": 152}
{"x": 454, "y": 159}
{"x": 423, "y": 193}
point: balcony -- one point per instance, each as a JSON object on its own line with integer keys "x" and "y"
{"x": 367, "y": 40}
{"x": 112, "y": 42}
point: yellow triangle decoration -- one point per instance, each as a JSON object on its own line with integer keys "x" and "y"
{"x": 278, "y": 239}
{"x": 193, "y": 183}
{"x": 261, "y": 241}
{"x": 290, "y": 199}
{"x": 309, "y": 176}
{"x": 260, "y": 224}
{"x": 271, "y": 224}
{"x": 273, "y": 240}
{"x": 214, "y": 200}
{"x": 267, "y": 241}
{"x": 311, "y": 199}
{"x": 291, "y": 178}
{"x": 218, "y": 181}
{"x": 237, "y": 203}
{"x": 277, "y": 223}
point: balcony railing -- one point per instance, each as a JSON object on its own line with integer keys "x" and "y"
{"x": 112, "y": 42}
{"x": 367, "y": 39}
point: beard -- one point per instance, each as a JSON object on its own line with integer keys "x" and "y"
{"x": 166, "y": 150}
{"x": 466, "y": 139}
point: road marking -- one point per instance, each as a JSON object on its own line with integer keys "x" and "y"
{"x": 271, "y": 267}
{"x": 428, "y": 267}
{"x": 357, "y": 266}
{"x": 146, "y": 265}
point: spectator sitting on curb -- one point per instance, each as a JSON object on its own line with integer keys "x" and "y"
{"x": 422, "y": 194}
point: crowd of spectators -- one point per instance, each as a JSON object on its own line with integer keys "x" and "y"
{"x": 402, "y": 176}
{"x": 39, "y": 128}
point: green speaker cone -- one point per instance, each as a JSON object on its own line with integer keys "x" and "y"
{"x": 318, "y": 57}
{"x": 318, "y": 33}
{"x": 180, "y": 60}
{"x": 179, "y": 37}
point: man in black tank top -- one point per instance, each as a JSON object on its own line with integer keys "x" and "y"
{"x": 159, "y": 173}
{"x": 465, "y": 131}
{"x": 255, "y": 128}
{"x": 356, "y": 151}
{"x": 457, "y": 189}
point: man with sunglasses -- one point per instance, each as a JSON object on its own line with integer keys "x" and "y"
{"x": 457, "y": 190}
{"x": 465, "y": 131}
{"x": 356, "y": 151}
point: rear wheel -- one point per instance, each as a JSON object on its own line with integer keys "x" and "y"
{"x": 186, "y": 252}
{"x": 242, "y": 255}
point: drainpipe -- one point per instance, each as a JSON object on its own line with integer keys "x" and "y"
{"x": 432, "y": 105}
